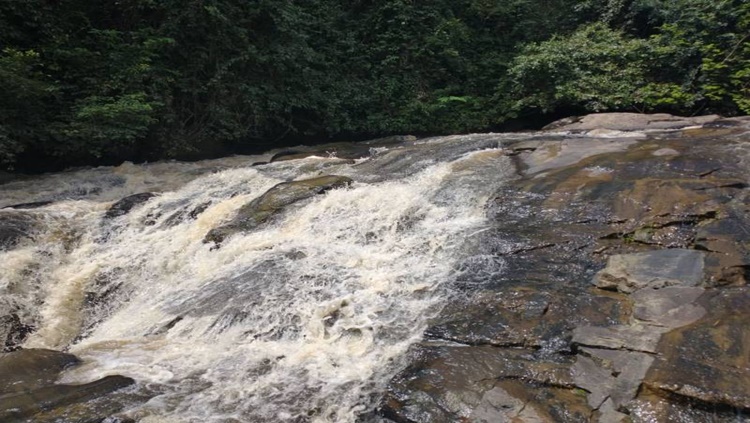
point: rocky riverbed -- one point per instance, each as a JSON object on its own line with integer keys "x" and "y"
{"x": 623, "y": 297}
{"x": 605, "y": 282}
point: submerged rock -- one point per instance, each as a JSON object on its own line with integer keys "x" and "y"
{"x": 12, "y": 332}
{"x": 15, "y": 226}
{"x": 125, "y": 205}
{"x": 274, "y": 201}
{"x": 32, "y": 205}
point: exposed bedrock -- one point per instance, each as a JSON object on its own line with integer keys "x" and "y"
{"x": 611, "y": 286}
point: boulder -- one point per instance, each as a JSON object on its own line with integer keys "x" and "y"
{"x": 272, "y": 202}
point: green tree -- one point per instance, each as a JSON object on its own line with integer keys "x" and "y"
{"x": 594, "y": 69}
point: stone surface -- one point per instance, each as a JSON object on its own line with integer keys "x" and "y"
{"x": 342, "y": 150}
{"x": 597, "y": 380}
{"x": 28, "y": 392}
{"x": 725, "y": 240}
{"x": 32, "y": 205}
{"x": 708, "y": 361}
{"x": 274, "y": 201}
{"x": 18, "y": 407}
{"x": 669, "y": 307}
{"x": 526, "y": 317}
{"x": 628, "y": 122}
{"x": 32, "y": 368}
{"x": 125, "y": 205}
{"x": 620, "y": 337}
{"x": 659, "y": 222}
{"x": 654, "y": 269}
{"x": 482, "y": 383}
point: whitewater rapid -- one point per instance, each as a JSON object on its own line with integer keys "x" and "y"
{"x": 305, "y": 318}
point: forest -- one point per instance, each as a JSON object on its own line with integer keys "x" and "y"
{"x": 89, "y": 82}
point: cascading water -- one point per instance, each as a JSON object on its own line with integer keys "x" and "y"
{"x": 302, "y": 319}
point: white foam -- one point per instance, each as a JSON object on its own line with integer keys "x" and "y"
{"x": 309, "y": 315}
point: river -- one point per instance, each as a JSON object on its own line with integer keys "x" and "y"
{"x": 305, "y": 318}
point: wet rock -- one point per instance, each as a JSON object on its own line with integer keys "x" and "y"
{"x": 649, "y": 408}
{"x": 32, "y": 205}
{"x": 526, "y": 317}
{"x": 728, "y": 253}
{"x": 274, "y": 201}
{"x": 597, "y": 380}
{"x": 338, "y": 150}
{"x": 498, "y": 405}
{"x": 624, "y": 337}
{"x": 15, "y": 226}
{"x": 18, "y": 407}
{"x": 391, "y": 140}
{"x": 125, "y": 205}
{"x": 29, "y": 369}
{"x": 545, "y": 156}
{"x": 342, "y": 150}
{"x": 627, "y": 368}
{"x": 103, "y": 409}
{"x": 659, "y": 223}
{"x": 186, "y": 213}
{"x": 466, "y": 383}
{"x": 654, "y": 269}
{"x": 669, "y": 307}
{"x": 728, "y": 122}
{"x": 12, "y": 332}
{"x": 707, "y": 362}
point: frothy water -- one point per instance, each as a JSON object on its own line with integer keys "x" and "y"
{"x": 303, "y": 319}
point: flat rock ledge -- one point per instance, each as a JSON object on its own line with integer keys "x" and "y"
{"x": 638, "y": 122}
{"x": 617, "y": 291}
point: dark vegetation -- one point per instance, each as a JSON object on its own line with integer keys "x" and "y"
{"x": 98, "y": 82}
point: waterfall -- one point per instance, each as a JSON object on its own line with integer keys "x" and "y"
{"x": 303, "y": 319}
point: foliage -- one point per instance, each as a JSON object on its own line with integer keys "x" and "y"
{"x": 596, "y": 68}
{"x": 99, "y": 82}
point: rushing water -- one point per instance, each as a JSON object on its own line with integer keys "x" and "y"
{"x": 303, "y": 319}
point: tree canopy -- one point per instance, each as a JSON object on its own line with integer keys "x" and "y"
{"x": 91, "y": 82}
